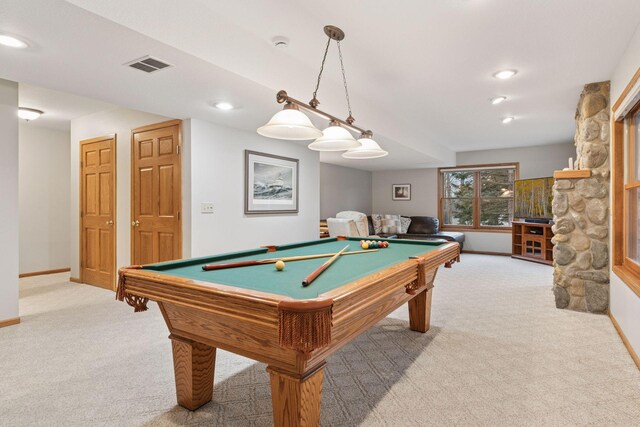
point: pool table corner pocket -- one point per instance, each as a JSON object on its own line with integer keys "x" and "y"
{"x": 138, "y": 303}
{"x": 305, "y": 326}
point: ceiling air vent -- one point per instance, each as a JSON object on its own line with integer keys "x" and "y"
{"x": 148, "y": 64}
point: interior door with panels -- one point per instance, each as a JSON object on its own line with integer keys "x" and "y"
{"x": 156, "y": 193}
{"x": 97, "y": 211}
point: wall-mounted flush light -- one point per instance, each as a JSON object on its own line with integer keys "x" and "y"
{"x": 29, "y": 113}
{"x": 507, "y": 120}
{"x": 10, "y": 41}
{"x": 498, "y": 100}
{"x": 505, "y": 74}
{"x": 225, "y": 106}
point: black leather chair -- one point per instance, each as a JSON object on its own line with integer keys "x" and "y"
{"x": 429, "y": 227}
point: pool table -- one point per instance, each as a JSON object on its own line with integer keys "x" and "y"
{"x": 267, "y": 315}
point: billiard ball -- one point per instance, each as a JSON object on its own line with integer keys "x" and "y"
{"x": 279, "y": 265}
{"x": 365, "y": 246}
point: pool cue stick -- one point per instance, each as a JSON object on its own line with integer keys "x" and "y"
{"x": 313, "y": 276}
{"x": 248, "y": 263}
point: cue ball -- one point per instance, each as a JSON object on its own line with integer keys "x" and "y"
{"x": 280, "y": 265}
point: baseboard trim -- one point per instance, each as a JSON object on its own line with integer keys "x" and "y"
{"x": 486, "y": 253}
{"x": 625, "y": 341}
{"x": 74, "y": 280}
{"x": 9, "y": 322}
{"x": 43, "y": 272}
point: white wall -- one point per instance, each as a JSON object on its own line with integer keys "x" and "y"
{"x": 44, "y": 198}
{"x": 535, "y": 162}
{"x": 624, "y": 304}
{"x": 217, "y": 166}
{"x": 119, "y": 121}
{"x": 344, "y": 189}
{"x": 9, "y": 223}
{"x": 627, "y": 67}
{"x": 424, "y": 192}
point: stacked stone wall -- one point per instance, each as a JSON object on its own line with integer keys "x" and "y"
{"x": 581, "y": 211}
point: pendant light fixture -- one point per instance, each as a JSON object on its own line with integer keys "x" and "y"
{"x": 334, "y": 138}
{"x": 369, "y": 149}
{"x": 290, "y": 123}
{"x": 293, "y": 124}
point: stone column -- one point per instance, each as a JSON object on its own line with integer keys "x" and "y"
{"x": 580, "y": 212}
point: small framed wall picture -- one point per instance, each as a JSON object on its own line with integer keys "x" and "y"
{"x": 401, "y": 192}
{"x": 271, "y": 184}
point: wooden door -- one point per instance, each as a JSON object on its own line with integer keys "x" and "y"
{"x": 156, "y": 193}
{"x": 97, "y": 211}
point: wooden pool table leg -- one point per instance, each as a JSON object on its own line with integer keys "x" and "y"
{"x": 296, "y": 398}
{"x": 420, "y": 311}
{"x": 193, "y": 365}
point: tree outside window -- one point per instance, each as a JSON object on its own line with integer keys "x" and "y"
{"x": 477, "y": 197}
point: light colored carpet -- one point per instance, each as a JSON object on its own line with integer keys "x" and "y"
{"x": 498, "y": 353}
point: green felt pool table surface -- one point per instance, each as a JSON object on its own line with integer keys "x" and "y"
{"x": 266, "y": 278}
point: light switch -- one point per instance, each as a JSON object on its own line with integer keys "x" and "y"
{"x": 206, "y": 208}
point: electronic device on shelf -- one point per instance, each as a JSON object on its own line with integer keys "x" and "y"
{"x": 538, "y": 220}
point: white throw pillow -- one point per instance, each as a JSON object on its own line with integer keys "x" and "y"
{"x": 376, "y": 219}
{"x": 391, "y": 224}
{"x": 405, "y": 222}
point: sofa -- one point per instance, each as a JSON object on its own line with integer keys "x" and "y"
{"x": 349, "y": 224}
{"x": 358, "y": 224}
{"x": 422, "y": 227}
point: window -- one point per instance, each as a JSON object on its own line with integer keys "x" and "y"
{"x": 477, "y": 197}
{"x": 625, "y": 175}
{"x": 632, "y": 190}
{"x": 626, "y": 199}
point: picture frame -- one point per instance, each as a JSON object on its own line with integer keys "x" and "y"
{"x": 271, "y": 184}
{"x": 401, "y": 192}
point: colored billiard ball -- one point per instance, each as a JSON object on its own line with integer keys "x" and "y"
{"x": 279, "y": 265}
{"x": 374, "y": 245}
{"x": 365, "y": 245}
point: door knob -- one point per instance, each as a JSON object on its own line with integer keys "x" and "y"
{"x": 110, "y": 222}
{"x": 135, "y": 223}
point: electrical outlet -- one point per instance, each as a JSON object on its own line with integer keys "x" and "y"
{"x": 206, "y": 208}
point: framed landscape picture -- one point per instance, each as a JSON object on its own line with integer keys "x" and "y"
{"x": 401, "y": 192}
{"x": 271, "y": 183}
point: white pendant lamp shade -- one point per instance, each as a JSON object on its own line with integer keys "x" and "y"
{"x": 368, "y": 150}
{"x": 334, "y": 138}
{"x": 291, "y": 124}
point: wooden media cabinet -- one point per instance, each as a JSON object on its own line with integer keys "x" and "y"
{"x": 532, "y": 242}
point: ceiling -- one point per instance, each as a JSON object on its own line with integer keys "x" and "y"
{"x": 419, "y": 75}
{"x": 59, "y": 107}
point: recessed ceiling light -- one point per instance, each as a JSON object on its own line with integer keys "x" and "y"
{"x": 12, "y": 42}
{"x": 505, "y": 74}
{"x": 225, "y": 106}
{"x": 498, "y": 100}
{"x": 508, "y": 120}
{"x": 29, "y": 113}
{"x": 280, "y": 41}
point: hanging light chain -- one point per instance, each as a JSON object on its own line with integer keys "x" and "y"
{"x": 314, "y": 102}
{"x": 350, "y": 119}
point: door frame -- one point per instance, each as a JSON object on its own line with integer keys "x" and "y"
{"x": 146, "y": 128}
{"x": 113, "y": 136}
